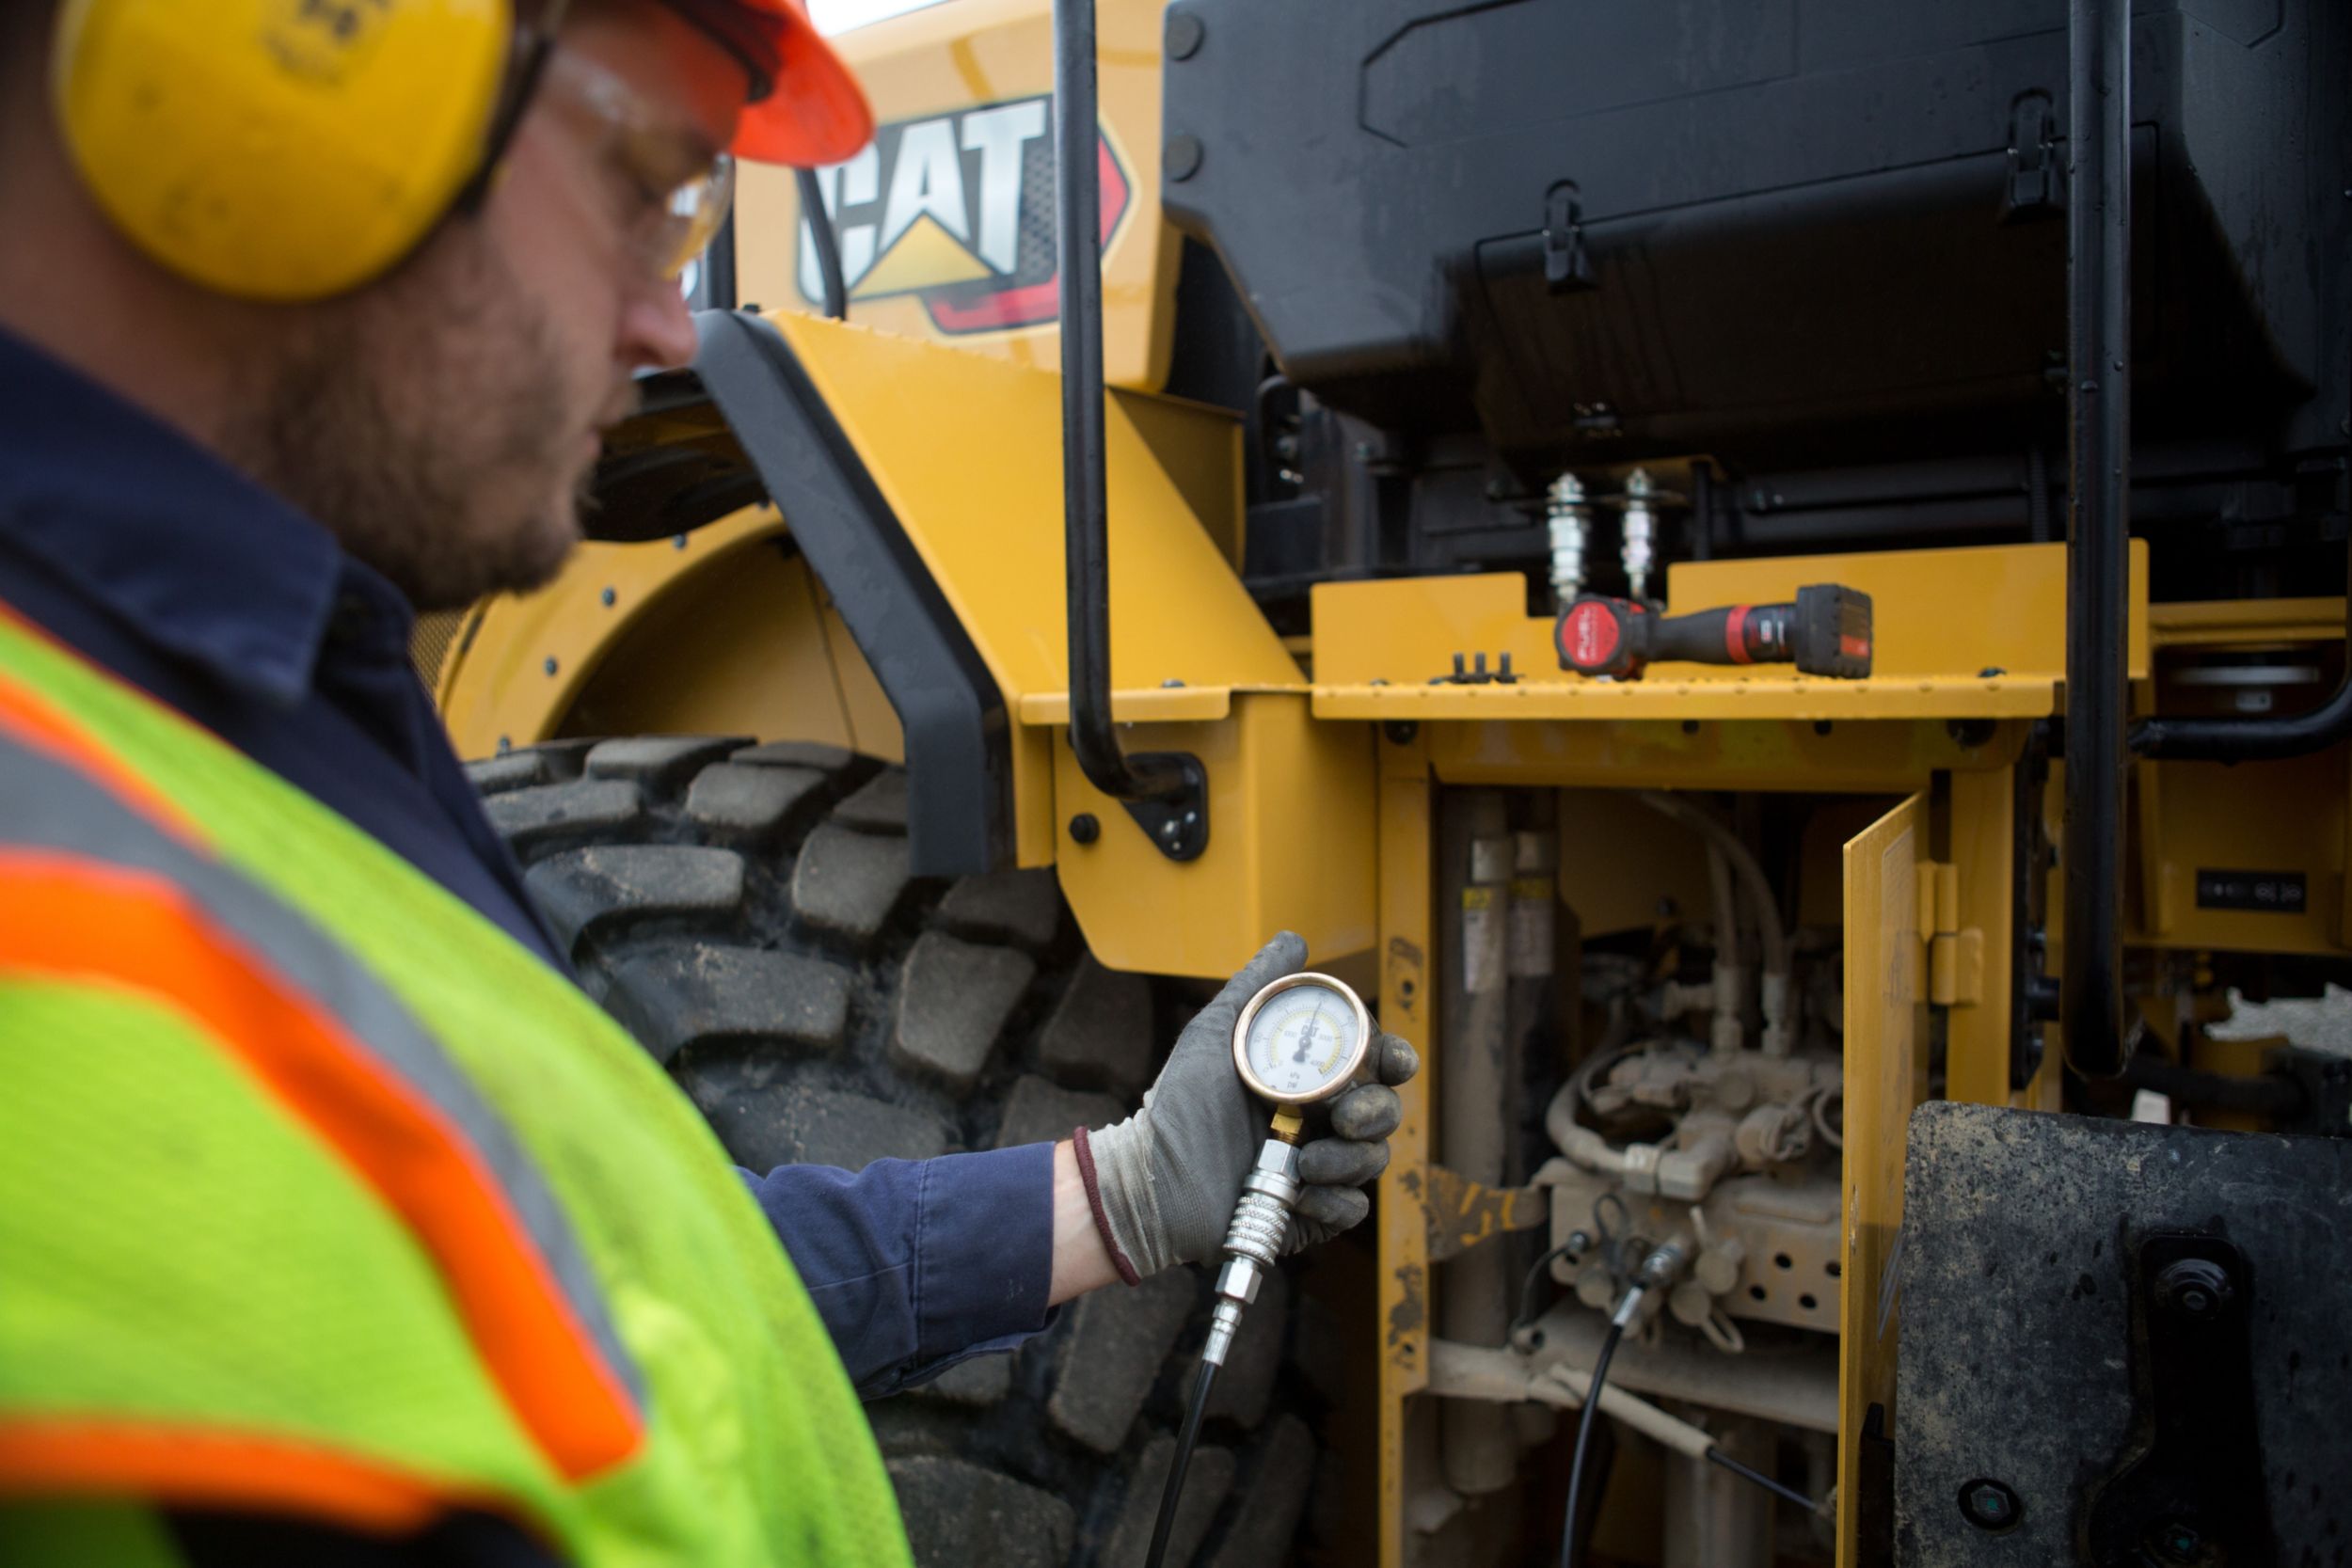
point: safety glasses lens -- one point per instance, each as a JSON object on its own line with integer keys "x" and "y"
{"x": 696, "y": 209}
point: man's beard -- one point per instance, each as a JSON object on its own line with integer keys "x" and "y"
{"x": 425, "y": 425}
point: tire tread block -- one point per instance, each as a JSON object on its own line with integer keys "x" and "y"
{"x": 792, "y": 1123}
{"x": 692, "y": 994}
{"x": 659, "y": 762}
{"x": 1119, "y": 1337}
{"x": 959, "y": 1514}
{"x": 1022, "y": 907}
{"x": 1099, "y": 1035}
{"x": 741, "y": 804}
{"x": 953, "y": 998}
{"x": 1207, "y": 1479}
{"x": 535, "y": 816}
{"x": 588, "y": 890}
{"x": 796, "y": 753}
{"x": 877, "y": 806}
{"x": 1040, "y": 1111}
{"x": 847, "y": 883}
{"x": 1280, "y": 1473}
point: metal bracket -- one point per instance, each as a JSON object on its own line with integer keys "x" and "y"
{"x": 1178, "y": 824}
{"x": 2195, "y": 1493}
{"x": 1461, "y": 1213}
{"x": 1566, "y": 264}
{"x": 2033, "y": 164}
{"x": 1479, "y": 674}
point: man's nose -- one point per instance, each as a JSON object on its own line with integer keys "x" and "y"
{"x": 657, "y": 328}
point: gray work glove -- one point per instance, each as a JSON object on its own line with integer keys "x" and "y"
{"x": 1167, "y": 1178}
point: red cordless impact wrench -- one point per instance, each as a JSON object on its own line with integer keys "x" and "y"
{"x": 1826, "y": 632}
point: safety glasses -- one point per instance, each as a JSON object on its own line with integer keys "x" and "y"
{"x": 665, "y": 192}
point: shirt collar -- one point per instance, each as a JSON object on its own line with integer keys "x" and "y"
{"x": 193, "y": 556}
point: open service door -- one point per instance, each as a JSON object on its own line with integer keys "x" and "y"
{"x": 1887, "y": 1051}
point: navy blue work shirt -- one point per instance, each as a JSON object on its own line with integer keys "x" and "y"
{"x": 149, "y": 556}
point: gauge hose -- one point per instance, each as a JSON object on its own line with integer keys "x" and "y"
{"x": 1571, "y": 1539}
{"x": 1178, "y": 1463}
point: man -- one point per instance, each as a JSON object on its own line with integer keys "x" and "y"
{"x": 335, "y": 1225}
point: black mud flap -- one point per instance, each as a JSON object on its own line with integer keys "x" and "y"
{"x": 2123, "y": 1345}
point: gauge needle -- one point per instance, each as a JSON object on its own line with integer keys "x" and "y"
{"x": 1307, "y": 1036}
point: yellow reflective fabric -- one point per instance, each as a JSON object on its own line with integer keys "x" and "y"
{"x": 754, "y": 1448}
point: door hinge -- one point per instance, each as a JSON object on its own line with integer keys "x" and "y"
{"x": 1955, "y": 953}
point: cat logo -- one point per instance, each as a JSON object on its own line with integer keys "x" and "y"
{"x": 957, "y": 210}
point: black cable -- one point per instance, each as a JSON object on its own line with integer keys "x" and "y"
{"x": 1717, "y": 1456}
{"x": 1178, "y": 1464}
{"x": 1571, "y": 1543}
{"x": 836, "y": 292}
{"x": 1571, "y": 1249}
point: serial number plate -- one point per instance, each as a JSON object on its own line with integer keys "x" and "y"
{"x": 2272, "y": 892}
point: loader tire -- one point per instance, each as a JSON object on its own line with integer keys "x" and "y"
{"x": 747, "y": 914}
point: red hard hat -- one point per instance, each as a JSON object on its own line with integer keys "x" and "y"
{"x": 806, "y": 109}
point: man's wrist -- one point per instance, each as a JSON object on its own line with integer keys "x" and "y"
{"x": 1083, "y": 1150}
{"x": 1085, "y": 1256}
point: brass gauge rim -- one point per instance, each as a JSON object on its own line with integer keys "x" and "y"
{"x": 1360, "y": 1044}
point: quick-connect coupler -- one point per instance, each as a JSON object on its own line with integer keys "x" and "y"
{"x": 1262, "y": 1223}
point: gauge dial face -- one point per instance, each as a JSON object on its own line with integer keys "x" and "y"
{"x": 1303, "y": 1042}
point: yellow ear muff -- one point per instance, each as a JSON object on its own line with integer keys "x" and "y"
{"x": 279, "y": 150}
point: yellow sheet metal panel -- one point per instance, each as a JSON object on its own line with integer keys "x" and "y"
{"x": 1965, "y": 633}
{"x": 1984, "y": 819}
{"x": 1408, "y": 985}
{"x": 723, "y": 598}
{"x": 1291, "y": 844}
{"x": 1618, "y": 859}
{"x": 2207, "y": 622}
{"x": 741, "y": 651}
{"x": 1200, "y": 447}
{"x": 1886, "y": 1061}
{"x": 2281, "y": 824}
{"x": 932, "y": 218}
{"x": 968, "y": 453}
{"x": 1810, "y": 755}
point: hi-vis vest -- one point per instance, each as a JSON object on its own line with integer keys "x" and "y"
{"x": 320, "y": 1198}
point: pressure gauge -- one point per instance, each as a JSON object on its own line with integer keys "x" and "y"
{"x": 1303, "y": 1039}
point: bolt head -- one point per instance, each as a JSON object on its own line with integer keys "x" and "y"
{"x": 1990, "y": 1505}
{"x": 1085, "y": 828}
{"x": 2197, "y": 1288}
{"x": 1184, "y": 33}
{"x": 1182, "y": 160}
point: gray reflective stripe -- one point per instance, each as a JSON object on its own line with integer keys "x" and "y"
{"x": 45, "y": 805}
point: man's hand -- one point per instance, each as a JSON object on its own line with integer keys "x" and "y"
{"x": 1162, "y": 1183}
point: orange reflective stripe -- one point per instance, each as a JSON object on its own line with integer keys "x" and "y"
{"x": 87, "y": 922}
{"x": 39, "y": 726}
{"x": 195, "y": 1466}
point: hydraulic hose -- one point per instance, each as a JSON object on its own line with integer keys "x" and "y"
{"x": 1777, "y": 955}
{"x": 1178, "y": 1463}
{"x": 1571, "y": 1539}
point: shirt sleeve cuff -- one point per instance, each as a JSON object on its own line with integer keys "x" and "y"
{"x": 984, "y": 1255}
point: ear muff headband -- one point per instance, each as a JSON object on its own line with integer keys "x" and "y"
{"x": 280, "y": 150}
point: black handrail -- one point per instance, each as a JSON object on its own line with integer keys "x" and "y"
{"x": 828, "y": 249}
{"x": 2098, "y": 534}
{"x": 1170, "y": 783}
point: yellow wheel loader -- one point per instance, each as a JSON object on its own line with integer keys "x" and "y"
{"x": 1763, "y": 577}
